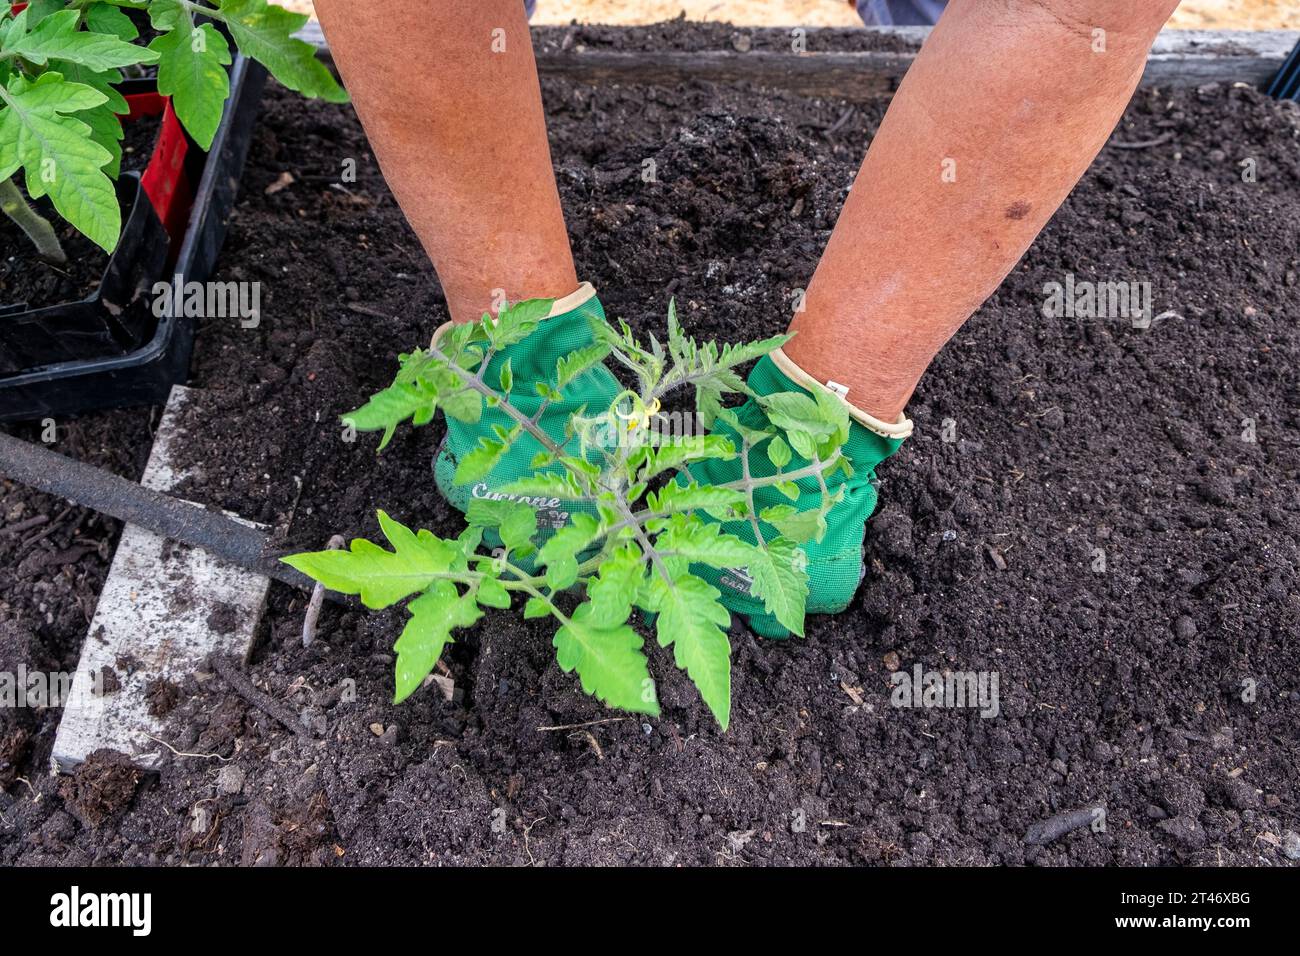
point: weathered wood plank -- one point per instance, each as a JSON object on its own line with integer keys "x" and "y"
{"x": 1179, "y": 58}
{"x": 163, "y": 609}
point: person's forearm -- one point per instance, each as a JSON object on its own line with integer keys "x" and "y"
{"x": 1006, "y": 105}
{"x": 457, "y": 126}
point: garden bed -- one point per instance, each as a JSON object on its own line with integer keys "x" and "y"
{"x": 1121, "y": 688}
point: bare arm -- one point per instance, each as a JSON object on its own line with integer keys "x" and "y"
{"x": 1005, "y": 107}
{"x": 452, "y": 108}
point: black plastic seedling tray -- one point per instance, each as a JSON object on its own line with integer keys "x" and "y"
{"x": 112, "y": 319}
{"x": 145, "y": 375}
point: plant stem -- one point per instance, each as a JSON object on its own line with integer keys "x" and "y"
{"x": 476, "y": 383}
{"x": 38, "y": 229}
{"x": 210, "y": 12}
{"x": 749, "y": 493}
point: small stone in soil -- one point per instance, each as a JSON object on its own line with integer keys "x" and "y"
{"x": 230, "y": 780}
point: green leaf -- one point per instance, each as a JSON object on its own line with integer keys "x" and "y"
{"x": 192, "y": 71}
{"x": 704, "y": 543}
{"x": 516, "y": 523}
{"x": 545, "y": 485}
{"x": 434, "y": 614}
{"x": 381, "y": 577}
{"x": 106, "y": 130}
{"x": 515, "y": 322}
{"x": 492, "y": 593}
{"x": 463, "y": 404}
{"x": 265, "y": 32}
{"x": 572, "y": 365}
{"x": 708, "y": 403}
{"x": 680, "y": 451}
{"x": 390, "y": 407}
{"x": 105, "y": 81}
{"x": 795, "y": 524}
{"x": 609, "y": 662}
{"x": 675, "y": 497}
{"x": 38, "y": 10}
{"x": 616, "y": 585}
{"x": 694, "y": 623}
{"x": 59, "y": 156}
{"x": 536, "y": 607}
{"x": 778, "y": 452}
{"x": 796, "y": 412}
{"x": 560, "y": 553}
{"x": 507, "y": 378}
{"x": 57, "y": 37}
{"x": 105, "y": 18}
{"x": 477, "y": 463}
{"x": 780, "y": 581}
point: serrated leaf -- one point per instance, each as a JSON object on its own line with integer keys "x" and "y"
{"x": 388, "y": 408}
{"x": 477, "y": 463}
{"x": 575, "y": 363}
{"x": 693, "y": 622}
{"x": 266, "y": 33}
{"x": 780, "y": 581}
{"x": 56, "y": 37}
{"x": 708, "y": 403}
{"x": 703, "y": 543}
{"x": 381, "y": 577}
{"x": 464, "y": 405}
{"x": 192, "y": 71}
{"x": 609, "y": 662}
{"x": 434, "y": 614}
{"x": 516, "y": 321}
{"x": 681, "y": 451}
{"x": 616, "y": 585}
{"x": 545, "y": 485}
{"x": 58, "y": 154}
{"x": 560, "y": 552}
{"x": 507, "y": 377}
{"x": 675, "y": 497}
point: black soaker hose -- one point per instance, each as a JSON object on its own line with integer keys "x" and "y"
{"x": 92, "y": 487}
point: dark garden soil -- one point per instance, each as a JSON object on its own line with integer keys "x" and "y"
{"x": 1075, "y": 441}
{"x": 25, "y": 278}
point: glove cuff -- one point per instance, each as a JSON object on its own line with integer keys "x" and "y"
{"x": 896, "y": 431}
{"x": 579, "y": 297}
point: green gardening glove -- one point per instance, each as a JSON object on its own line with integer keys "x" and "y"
{"x": 834, "y": 564}
{"x": 567, "y": 329}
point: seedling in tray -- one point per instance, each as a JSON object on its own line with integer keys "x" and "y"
{"x": 60, "y": 64}
{"x": 640, "y": 529}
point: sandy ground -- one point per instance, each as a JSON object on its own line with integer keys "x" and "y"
{"x": 1192, "y": 15}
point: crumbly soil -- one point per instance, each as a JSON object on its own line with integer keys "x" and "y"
{"x": 1078, "y": 512}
